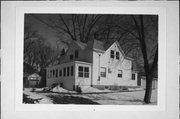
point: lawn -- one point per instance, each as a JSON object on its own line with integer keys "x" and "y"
{"x": 95, "y": 97}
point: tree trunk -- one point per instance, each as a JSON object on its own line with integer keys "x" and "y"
{"x": 43, "y": 77}
{"x": 147, "y": 96}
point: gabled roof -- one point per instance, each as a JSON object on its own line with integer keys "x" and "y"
{"x": 99, "y": 45}
{"x": 80, "y": 44}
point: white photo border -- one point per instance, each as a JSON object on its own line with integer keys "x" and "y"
{"x": 12, "y": 17}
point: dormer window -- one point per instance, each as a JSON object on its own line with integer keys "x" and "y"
{"x": 112, "y": 54}
{"x": 76, "y": 53}
{"x": 71, "y": 57}
{"x": 117, "y": 55}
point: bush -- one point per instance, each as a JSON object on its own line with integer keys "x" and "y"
{"x": 78, "y": 89}
{"x": 54, "y": 85}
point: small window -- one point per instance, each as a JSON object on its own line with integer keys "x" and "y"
{"x": 72, "y": 70}
{"x": 80, "y": 69}
{"x": 119, "y": 73}
{"x": 133, "y": 76}
{"x": 86, "y": 72}
{"x": 112, "y": 53}
{"x": 70, "y": 57}
{"x": 117, "y": 55}
{"x": 103, "y": 71}
{"x": 64, "y": 71}
{"x": 76, "y": 53}
{"x": 56, "y": 73}
{"x": 67, "y": 71}
{"x": 60, "y": 72}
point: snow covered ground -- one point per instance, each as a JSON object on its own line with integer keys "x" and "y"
{"x": 90, "y": 95}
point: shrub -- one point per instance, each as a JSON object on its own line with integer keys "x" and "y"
{"x": 78, "y": 89}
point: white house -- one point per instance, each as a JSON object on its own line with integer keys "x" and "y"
{"x": 92, "y": 64}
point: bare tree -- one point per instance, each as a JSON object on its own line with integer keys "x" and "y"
{"x": 138, "y": 36}
{"x": 79, "y": 27}
{"x": 37, "y": 53}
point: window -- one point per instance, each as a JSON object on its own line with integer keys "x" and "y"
{"x": 86, "y": 72}
{"x": 60, "y": 72}
{"x": 112, "y": 53}
{"x": 76, "y": 53}
{"x": 56, "y": 73}
{"x": 72, "y": 70}
{"x": 117, "y": 55}
{"x": 70, "y": 57}
{"x": 80, "y": 69}
{"x": 64, "y": 71}
{"x": 83, "y": 72}
{"x": 133, "y": 76}
{"x": 119, "y": 73}
{"x": 53, "y": 73}
{"x": 67, "y": 71}
{"x": 103, "y": 71}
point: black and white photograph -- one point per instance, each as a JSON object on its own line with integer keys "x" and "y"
{"x": 83, "y": 59}
{"x": 90, "y": 59}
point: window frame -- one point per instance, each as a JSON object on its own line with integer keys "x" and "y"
{"x": 68, "y": 71}
{"x": 120, "y": 75}
{"x": 72, "y": 70}
{"x": 133, "y": 76}
{"x": 64, "y": 71}
{"x": 117, "y": 55}
{"x": 103, "y": 74}
{"x": 83, "y": 73}
{"x": 112, "y": 54}
{"x": 60, "y": 72}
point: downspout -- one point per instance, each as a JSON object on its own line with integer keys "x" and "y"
{"x": 99, "y": 69}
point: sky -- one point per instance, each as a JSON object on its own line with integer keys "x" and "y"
{"x": 49, "y": 34}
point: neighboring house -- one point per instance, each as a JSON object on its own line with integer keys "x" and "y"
{"x": 31, "y": 80}
{"x": 143, "y": 82}
{"x": 92, "y": 64}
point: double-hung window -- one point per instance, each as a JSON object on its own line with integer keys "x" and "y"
{"x": 103, "y": 71}
{"x": 119, "y": 74}
{"x": 112, "y": 54}
{"x": 133, "y": 76}
{"x": 117, "y": 55}
{"x": 83, "y": 71}
{"x": 86, "y": 72}
{"x": 80, "y": 71}
{"x": 67, "y": 71}
{"x": 72, "y": 70}
{"x": 64, "y": 71}
{"x": 60, "y": 72}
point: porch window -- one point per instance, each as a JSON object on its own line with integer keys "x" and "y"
{"x": 56, "y": 73}
{"x": 117, "y": 55}
{"x": 112, "y": 53}
{"x": 67, "y": 71}
{"x": 103, "y": 71}
{"x": 53, "y": 73}
{"x": 133, "y": 76}
{"x": 80, "y": 69}
{"x": 76, "y": 53}
{"x": 60, "y": 72}
{"x": 86, "y": 72}
{"x": 64, "y": 71}
{"x": 50, "y": 73}
{"x": 119, "y": 74}
{"x": 72, "y": 70}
